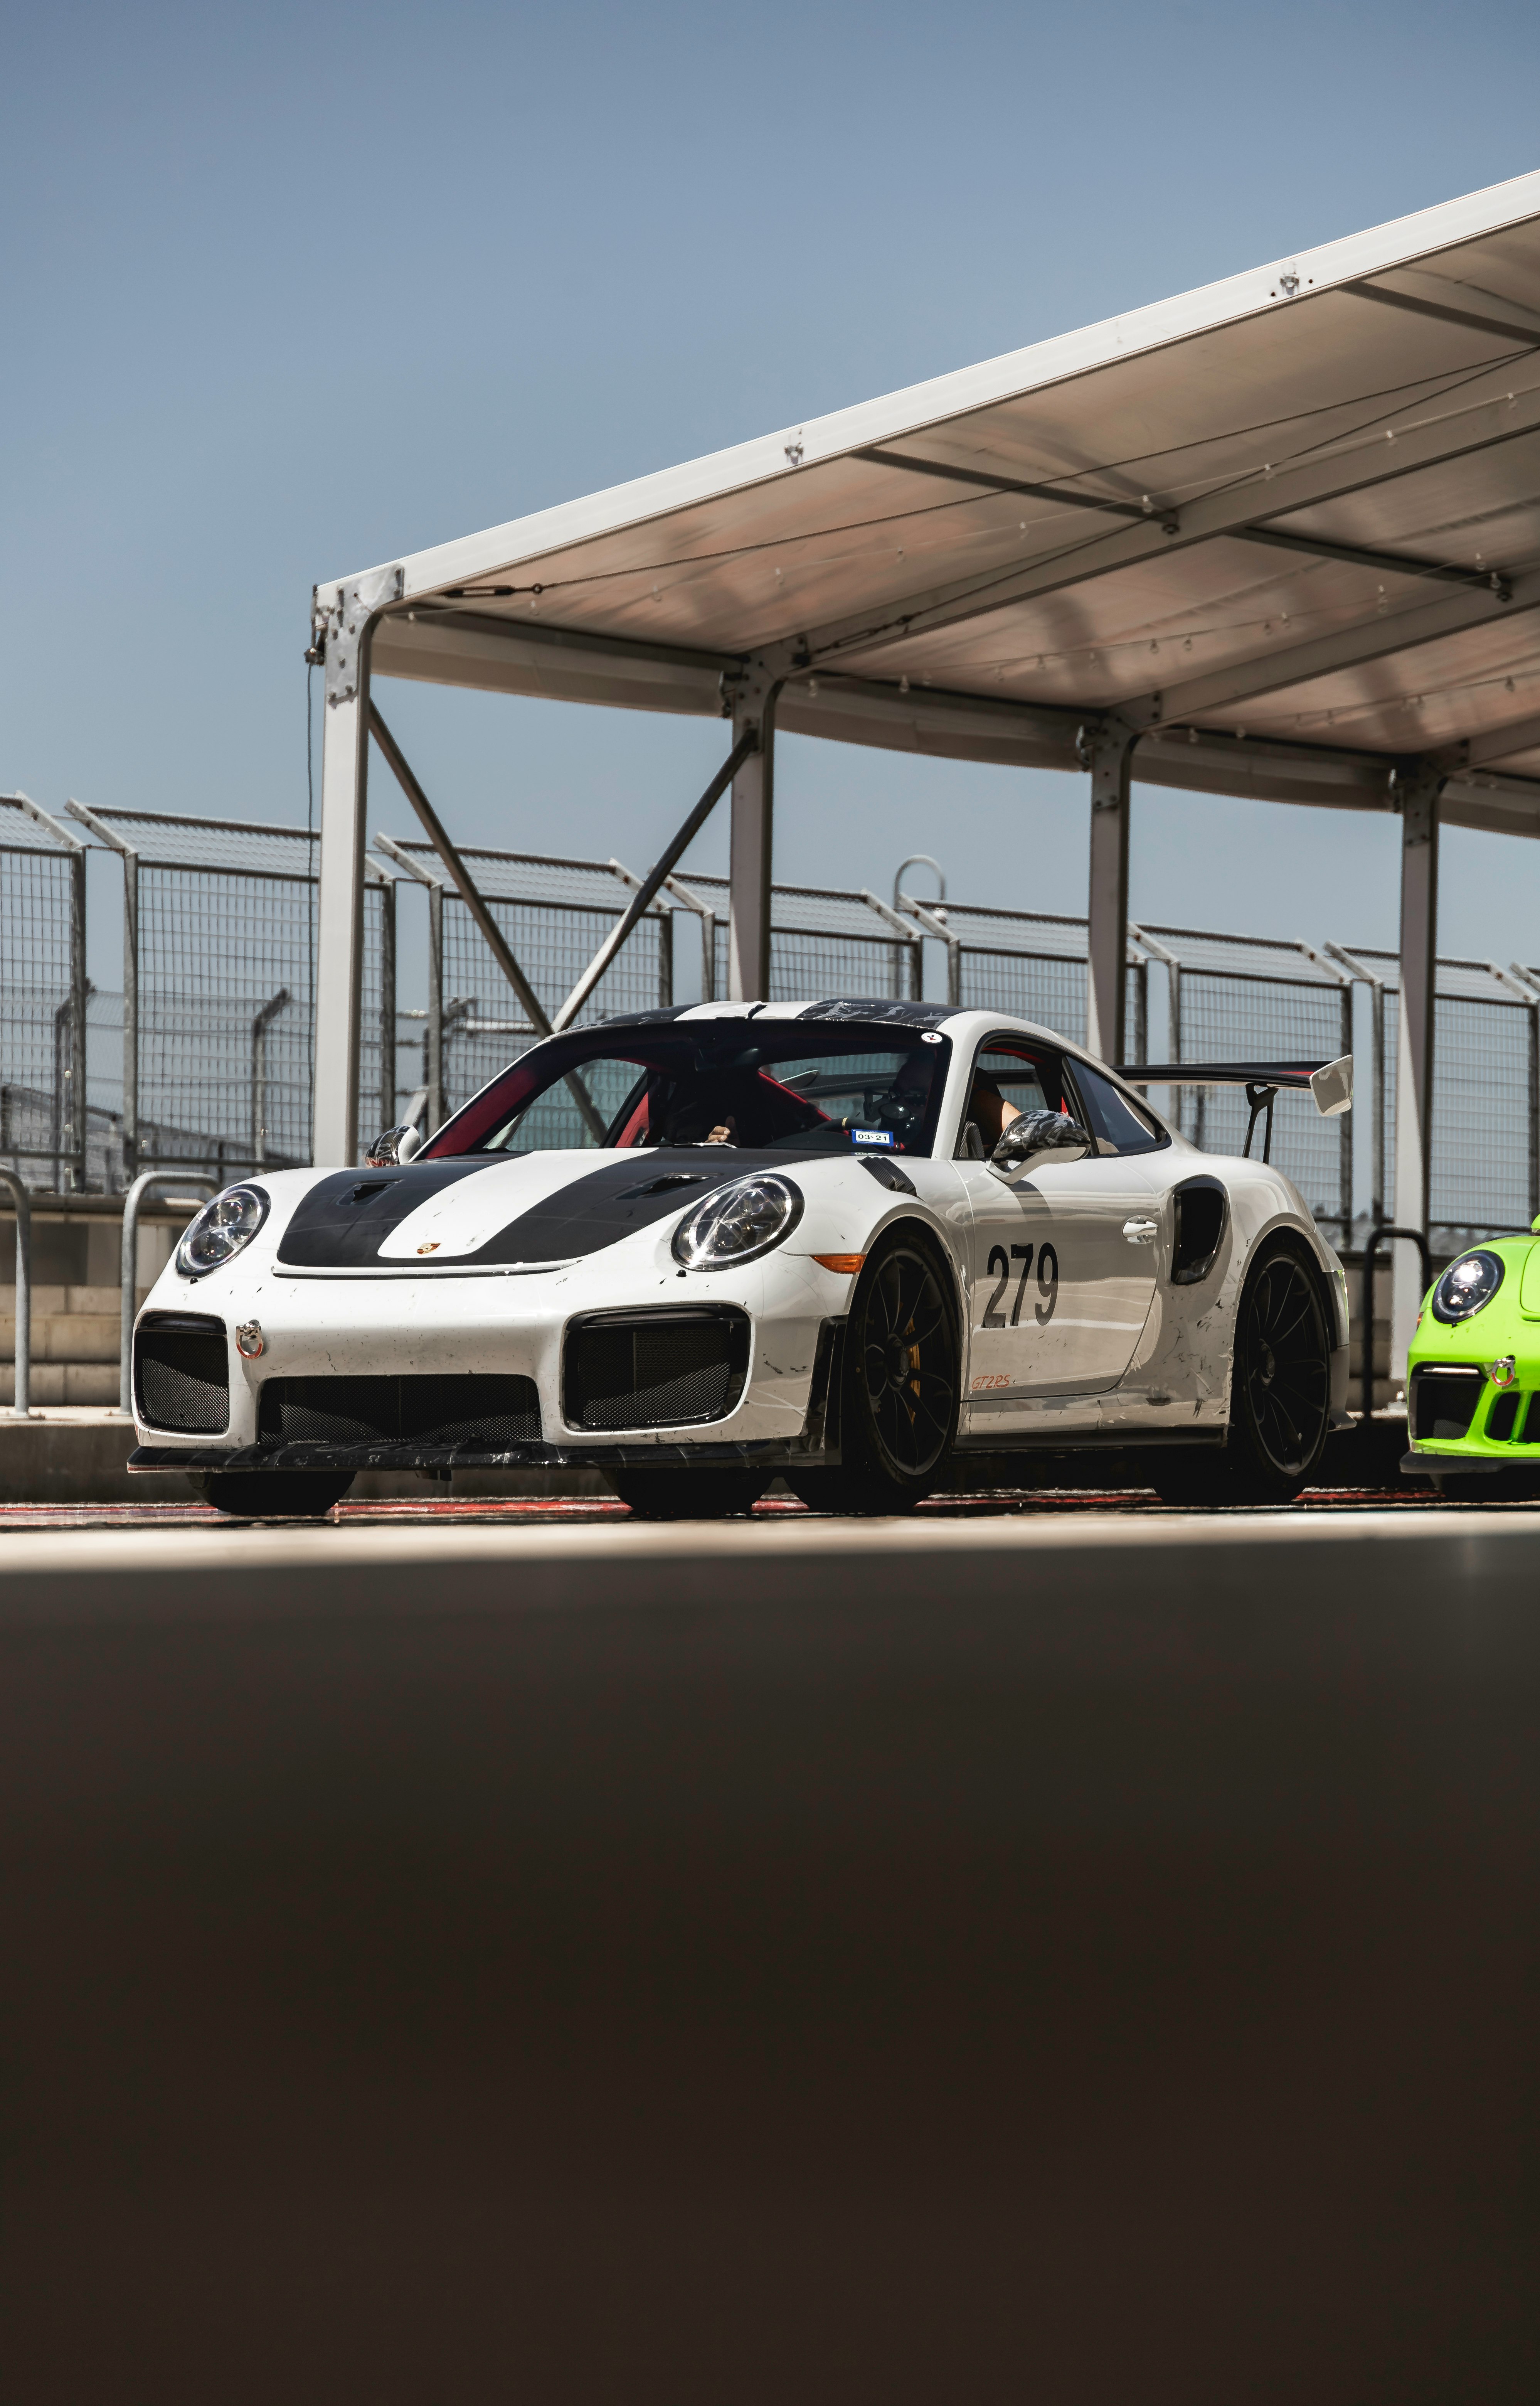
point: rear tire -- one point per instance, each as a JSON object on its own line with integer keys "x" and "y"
{"x": 1279, "y": 1394}
{"x": 689, "y": 1494}
{"x": 899, "y": 1392}
{"x": 270, "y": 1495}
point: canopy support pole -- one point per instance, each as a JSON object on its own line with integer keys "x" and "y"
{"x": 344, "y": 634}
{"x": 1106, "y": 749}
{"x": 1418, "y": 790}
{"x": 750, "y": 844}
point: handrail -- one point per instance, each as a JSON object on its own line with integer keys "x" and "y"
{"x": 21, "y": 1399}
{"x": 129, "y": 1259}
{"x": 1367, "y": 1367}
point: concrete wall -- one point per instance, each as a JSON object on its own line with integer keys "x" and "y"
{"x": 76, "y": 1300}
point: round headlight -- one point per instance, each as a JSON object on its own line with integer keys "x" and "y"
{"x": 738, "y": 1221}
{"x": 220, "y": 1230}
{"x": 1466, "y": 1285}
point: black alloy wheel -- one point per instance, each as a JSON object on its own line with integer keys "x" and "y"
{"x": 270, "y": 1495}
{"x": 689, "y": 1494}
{"x": 1283, "y": 1373}
{"x": 898, "y": 1408}
{"x": 1279, "y": 1395}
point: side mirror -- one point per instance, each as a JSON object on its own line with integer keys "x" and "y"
{"x": 1037, "y": 1139}
{"x": 390, "y": 1150}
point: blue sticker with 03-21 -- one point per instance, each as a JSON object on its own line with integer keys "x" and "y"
{"x": 872, "y": 1136}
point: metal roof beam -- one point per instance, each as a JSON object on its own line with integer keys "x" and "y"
{"x": 1496, "y": 743}
{"x": 1240, "y": 508}
{"x": 1382, "y": 563}
{"x": 884, "y": 459}
{"x": 617, "y": 647}
{"x": 1505, "y": 329}
{"x": 1376, "y": 639}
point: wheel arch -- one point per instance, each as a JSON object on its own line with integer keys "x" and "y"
{"x": 927, "y": 1231}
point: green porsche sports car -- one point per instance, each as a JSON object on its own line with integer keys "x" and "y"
{"x": 1473, "y": 1392}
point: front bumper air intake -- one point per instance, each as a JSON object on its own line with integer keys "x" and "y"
{"x": 181, "y": 1372}
{"x": 655, "y": 1369}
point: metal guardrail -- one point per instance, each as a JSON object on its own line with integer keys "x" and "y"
{"x": 129, "y": 1259}
{"x": 1366, "y": 1342}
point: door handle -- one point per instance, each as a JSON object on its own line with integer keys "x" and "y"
{"x": 1141, "y": 1232}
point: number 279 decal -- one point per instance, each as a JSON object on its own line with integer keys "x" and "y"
{"x": 1048, "y": 1285}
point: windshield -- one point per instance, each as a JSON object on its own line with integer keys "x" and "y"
{"x": 782, "y": 1087}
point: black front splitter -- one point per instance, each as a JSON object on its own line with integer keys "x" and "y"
{"x": 768, "y": 1455}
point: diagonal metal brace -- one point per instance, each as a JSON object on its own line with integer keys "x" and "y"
{"x": 649, "y": 885}
{"x": 496, "y": 942}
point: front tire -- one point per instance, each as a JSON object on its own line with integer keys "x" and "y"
{"x": 899, "y": 1395}
{"x": 689, "y": 1494}
{"x": 270, "y": 1495}
{"x": 1280, "y": 1394}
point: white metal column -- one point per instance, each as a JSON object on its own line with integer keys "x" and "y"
{"x": 750, "y": 841}
{"x": 1413, "y": 1065}
{"x": 339, "y": 915}
{"x": 1107, "y": 751}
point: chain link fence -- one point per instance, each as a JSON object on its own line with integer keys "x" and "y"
{"x": 1030, "y": 964}
{"x": 204, "y": 1062}
{"x": 1256, "y": 999}
{"x": 1485, "y": 1166}
{"x": 825, "y": 942}
{"x": 219, "y": 1001}
{"x": 554, "y": 914}
{"x": 43, "y": 995}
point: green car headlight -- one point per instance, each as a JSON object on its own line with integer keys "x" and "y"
{"x": 1466, "y": 1286}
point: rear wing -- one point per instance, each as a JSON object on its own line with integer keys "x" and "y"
{"x": 1329, "y": 1082}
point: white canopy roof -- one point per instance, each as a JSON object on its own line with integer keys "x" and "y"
{"x": 1289, "y": 524}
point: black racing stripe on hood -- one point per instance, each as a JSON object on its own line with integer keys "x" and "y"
{"x": 344, "y": 1219}
{"x": 615, "y": 1201}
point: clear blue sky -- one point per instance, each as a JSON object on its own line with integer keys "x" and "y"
{"x": 291, "y": 290}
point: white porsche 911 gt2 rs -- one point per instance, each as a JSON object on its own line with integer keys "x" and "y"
{"x": 845, "y": 1243}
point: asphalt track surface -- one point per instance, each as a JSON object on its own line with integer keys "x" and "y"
{"x": 1049, "y": 1948}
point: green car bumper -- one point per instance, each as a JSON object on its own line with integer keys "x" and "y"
{"x": 1473, "y": 1389}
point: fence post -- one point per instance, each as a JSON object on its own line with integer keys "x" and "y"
{"x": 1154, "y": 950}
{"x": 908, "y": 953}
{"x": 79, "y": 988}
{"x": 931, "y": 918}
{"x": 388, "y": 1003}
{"x": 259, "y": 1025}
{"x": 130, "y": 859}
{"x": 1364, "y": 975}
{"x": 21, "y": 1204}
{"x": 69, "y": 1131}
{"x": 436, "y": 1009}
{"x": 432, "y": 1063}
{"x": 1416, "y": 793}
{"x": 1141, "y": 1010}
{"x": 1531, "y": 985}
{"x": 129, "y": 1260}
{"x": 707, "y": 917}
{"x": 1328, "y": 959}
